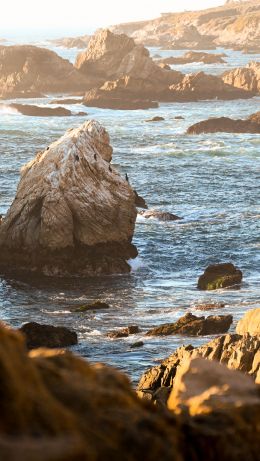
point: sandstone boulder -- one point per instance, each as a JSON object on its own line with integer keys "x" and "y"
{"x": 56, "y": 406}
{"x": 124, "y": 332}
{"x": 247, "y": 78}
{"x": 26, "y": 71}
{"x": 220, "y": 276}
{"x": 73, "y": 214}
{"x": 250, "y": 323}
{"x": 206, "y": 390}
{"x": 38, "y": 335}
{"x": 198, "y": 86}
{"x": 235, "y": 351}
{"x": 227, "y": 125}
{"x": 190, "y": 324}
{"x": 117, "y": 99}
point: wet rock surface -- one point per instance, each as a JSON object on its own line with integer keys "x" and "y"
{"x": 190, "y": 324}
{"x": 160, "y": 215}
{"x": 227, "y": 125}
{"x": 220, "y": 276}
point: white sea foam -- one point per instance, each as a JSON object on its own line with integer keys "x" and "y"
{"x": 136, "y": 263}
{"x": 7, "y": 110}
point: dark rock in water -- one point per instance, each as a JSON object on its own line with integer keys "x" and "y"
{"x": 124, "y": 332}
{"x": 156, "y": 119}
{"x": 189, "y": 324}
{"x": 227, "y": 125}
{"x": 160, "y": 215}
{"x": 36, "y": 111}
{"x": 96, "y": 305}
{"x": 118, "y": 100}
{"x": 179, "y": 117}
{"x": 38, "y": 335}
{"x": 220, "y": 276}
{"x": 66, "y": 101}
{"x": 209, "y": 306}
{"x": 140, "y": 201}
{"x": 137, "y": 344}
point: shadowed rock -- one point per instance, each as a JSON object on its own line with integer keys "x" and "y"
{"x": 189, "y": 324}
{"x": 38, "y": 335}
{"x": 73, "y": 214}
{"x": 36, "y": 111}
{"x": 220, "y": 276}
{"x": 227, "y": 125}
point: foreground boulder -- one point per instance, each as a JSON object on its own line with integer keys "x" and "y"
{"x": 189, "y": 324}
{"x": 227, "y": 125}
{"x": 220, "y": 276}
{"x": 250, "y": 323}
{"x": 246, "y": 78}
{"x": 235, "y": 351}
{"x": 56, "y": 406}
{"x": 38, "y": 335}
{"x": 27, "y": 71}
{"x": 73, "y": 214}
{"x": 206, "y": 390}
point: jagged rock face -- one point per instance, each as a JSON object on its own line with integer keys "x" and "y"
{"x": 246, "y": 78}
{"x": 227, "y": 125}
{"x": 111, "y": 57}
{"x": 72, "y": 210}
{"x": 202, "y": 86}
{"x": 26, "y": 69}
{"x": 250, "y": 323}
{"x": 56, "y": 406}
{"x": 235, "y": 351}
{"x": 229, "y": 25}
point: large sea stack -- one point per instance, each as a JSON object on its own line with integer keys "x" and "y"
{"x": 73, "y": 214}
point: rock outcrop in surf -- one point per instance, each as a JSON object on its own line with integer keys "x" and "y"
{"x": 73, "y": 214}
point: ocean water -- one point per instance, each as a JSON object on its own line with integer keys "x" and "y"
{"x": 212, "y": 181}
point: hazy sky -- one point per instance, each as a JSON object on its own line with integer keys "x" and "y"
{"x": 81, "y": 16}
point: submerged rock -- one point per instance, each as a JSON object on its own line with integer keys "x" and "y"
{"x": 124, "y": 332}
{"x": 137, "y": 344}
{"x": 38, "y": 335}
{"x": 160, "y": 215}
{"x": 156, "y": 119}
{"x": 209, "y": 306}
{"x": 96, "y": 305}
{"x": 27, "y": 71}
{"x": 250, "y": 323}
{"x": 189, "y": 324}
{"x": 227, "y": 125}
{"x": 73, "y": 214}
{"x": 220, "y": 276}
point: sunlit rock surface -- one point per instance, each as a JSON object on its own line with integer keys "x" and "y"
{"x": 73, "y": 214}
